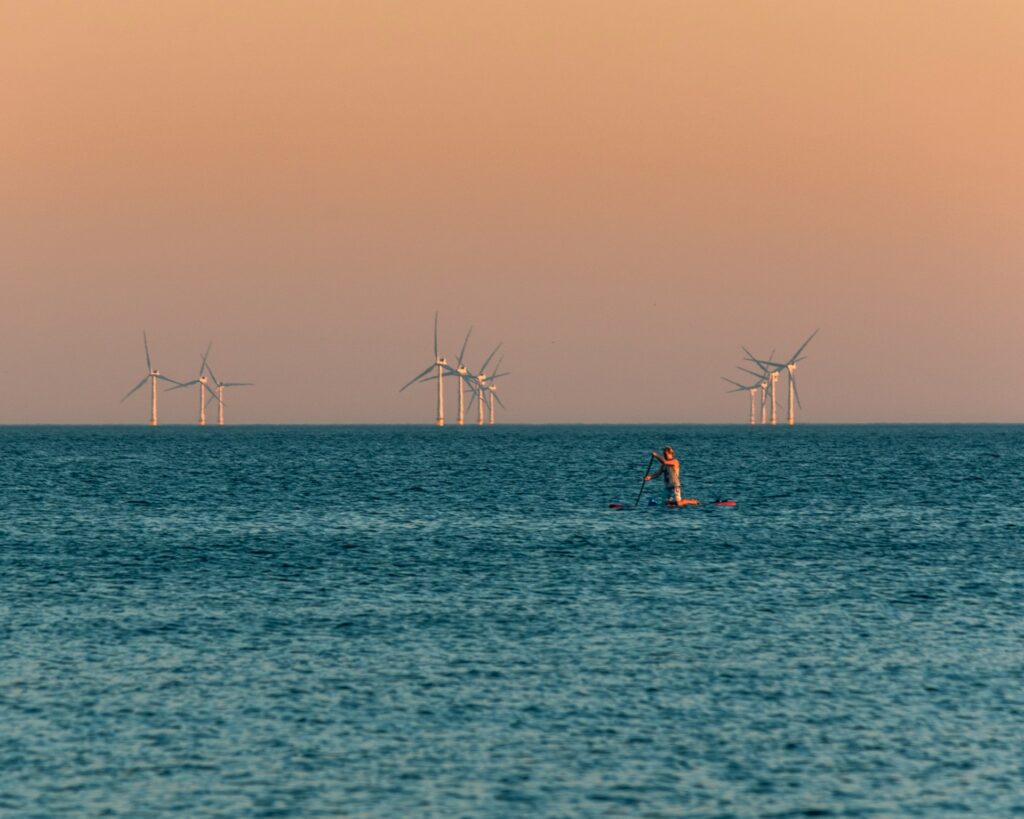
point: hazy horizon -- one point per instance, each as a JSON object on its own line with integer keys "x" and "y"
{"x": 621, "y": 194}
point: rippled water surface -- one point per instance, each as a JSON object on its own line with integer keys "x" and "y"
{"x": 392, "y": 622}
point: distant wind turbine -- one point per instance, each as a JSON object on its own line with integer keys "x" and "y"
{"x": 753, "y": 393}
{"x": 441, "y": 364}
{"x": 492, "y": 388}
{"x": 768, "y": 378}
{"x": 221, "y": 386}
{"x": 479, "y": 384}
{"x": 152, "y": 375}
{"x": 204, "y": 387}
{"x": 461, "y": 372}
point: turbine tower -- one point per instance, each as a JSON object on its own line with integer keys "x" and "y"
{"x": 204, "y": 387}
{"x": 221, "y": 386}
{"x": 441, "y": 364}
{"x": 152, "y": 375}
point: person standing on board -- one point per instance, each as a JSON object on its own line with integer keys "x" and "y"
{"x": 670, "y": 470}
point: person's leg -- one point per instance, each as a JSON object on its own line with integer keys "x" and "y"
{"x": 677, "y": 493}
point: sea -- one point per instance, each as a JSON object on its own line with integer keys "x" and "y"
{"x": 346, "y": 621}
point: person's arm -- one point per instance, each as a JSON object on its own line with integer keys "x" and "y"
{"x": 657, "y": 474}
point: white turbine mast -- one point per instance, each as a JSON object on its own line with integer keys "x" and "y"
{"x": 152, "y": 375}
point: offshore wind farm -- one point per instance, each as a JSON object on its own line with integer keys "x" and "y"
{"x": 767, "y": 378}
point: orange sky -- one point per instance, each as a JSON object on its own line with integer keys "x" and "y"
{"x": 622, "y": 192}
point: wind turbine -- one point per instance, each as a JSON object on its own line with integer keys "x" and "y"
{"x": 479, "y": 384}
{"x": 461, "y": 371}
{"x": 152, "y": 376}
{"x": 768, "y": 378}
{"x": 204, "y": 387}
{"x": 221, "y": 385}
{"x": 790, "y": 368}
{"x": 753, "y": 393}
{"x": 492, "y": 389}
{"x": 441, "y": 364}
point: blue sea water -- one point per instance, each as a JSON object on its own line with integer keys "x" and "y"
{"x": 406, "y": 621}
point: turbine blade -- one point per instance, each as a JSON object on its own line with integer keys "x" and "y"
{"x": 237, "y": 384}
{"x": 462, "y": 352}
{"x": 472, "y": 398}
{"x": 751, "y": 356}
{"x": 171, "y": 380}
{"x": 203, "y": 366}
{"x": 435, "y": 335}
{"x": 133, "y": 389}
{"x": 178, "y": 386}
{"x": 800, "y": 349}
{"x": 483, "y": 367}
{"x": 213, "y": 395}
{"x": 751, "y": 372}
{"x": 497, "y": 376}
{"x": 418, "y": 377}
{"x": 734, "y": 383}
{"x": 145, "y": 343}
{"x": 209, "y": 369}
{"x": 498, "y": 399}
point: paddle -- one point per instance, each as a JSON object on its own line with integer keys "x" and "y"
{"x": 644, "y": 482}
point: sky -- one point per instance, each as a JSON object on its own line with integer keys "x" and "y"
{"x": 623, "y": 193}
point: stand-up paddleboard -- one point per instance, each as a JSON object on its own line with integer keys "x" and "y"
{"x": 686, "y": 502}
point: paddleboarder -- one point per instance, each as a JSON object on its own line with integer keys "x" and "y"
{"x": 669, "y": 469}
